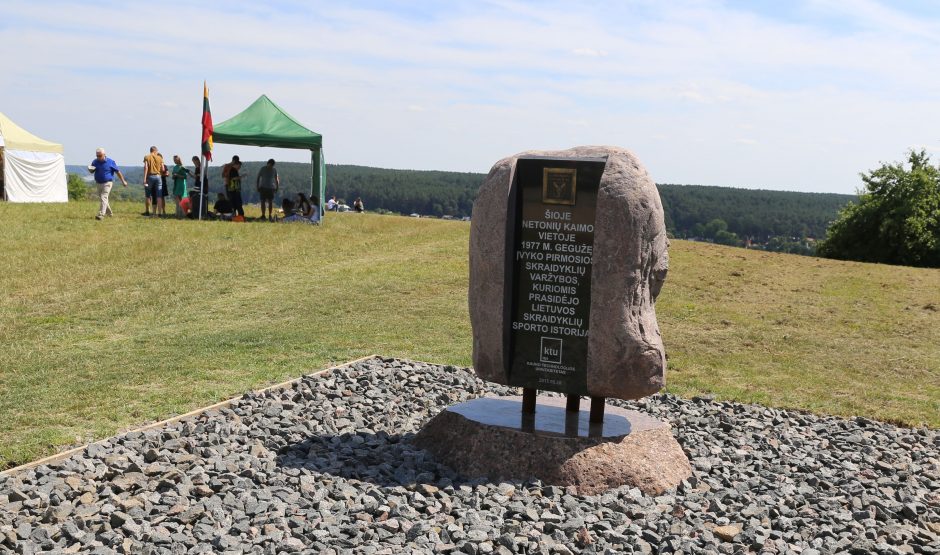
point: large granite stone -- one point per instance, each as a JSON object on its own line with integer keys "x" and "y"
{"x": 489, "y": 437}
{"x": 626, "y": 358}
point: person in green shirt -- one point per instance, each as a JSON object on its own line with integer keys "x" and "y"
{"x": 180, "y": 192}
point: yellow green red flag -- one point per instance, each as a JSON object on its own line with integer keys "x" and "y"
{"x": 206, "y": 124}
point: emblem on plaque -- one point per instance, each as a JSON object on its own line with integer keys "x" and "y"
{"x": 559, "y": 185}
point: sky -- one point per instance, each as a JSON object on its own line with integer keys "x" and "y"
{"x": 800, "y": 95}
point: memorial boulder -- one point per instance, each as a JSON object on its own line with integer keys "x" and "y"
{"x": 567, "y": 257}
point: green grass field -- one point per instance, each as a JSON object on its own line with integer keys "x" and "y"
{"x": 108, "y": 325}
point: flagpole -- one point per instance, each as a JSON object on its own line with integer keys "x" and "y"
{"x": 203, "y": 172}
{"x": 202, "y": 159}
{"x": 203, "y": 175}
{"x": 206, "y": 151}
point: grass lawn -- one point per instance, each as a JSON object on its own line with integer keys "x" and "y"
{"x": 108, "y": 325}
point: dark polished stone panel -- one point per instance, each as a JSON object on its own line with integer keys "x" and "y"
{"x": 551, "y": 236}
{"x": 551, "y": 418}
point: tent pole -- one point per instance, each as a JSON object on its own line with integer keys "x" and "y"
{"x": 317, "y": 187}
{"x": 322, "y": 179}
{"x": 315, "y": 167}
{"x": 314, "y": 171}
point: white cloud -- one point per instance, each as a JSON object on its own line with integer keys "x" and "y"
{"x": 933, "y": 149}
{"x": 693, "y": 95}
{"x": 590, "y": 52}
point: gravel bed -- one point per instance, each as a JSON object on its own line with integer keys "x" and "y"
{"x": 326, "y": 466}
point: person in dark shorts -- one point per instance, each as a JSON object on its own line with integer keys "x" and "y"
{"x": 267, "y": 183}
{"x": 233, "y": 184}
{"x": 153, "y": 168}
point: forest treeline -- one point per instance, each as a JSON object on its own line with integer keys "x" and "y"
{"x": 722, "y": 214}
{"x": 752, "y": 213}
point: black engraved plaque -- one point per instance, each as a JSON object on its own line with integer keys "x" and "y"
{"x": 551, "y": 236}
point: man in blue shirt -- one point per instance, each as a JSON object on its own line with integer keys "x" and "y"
{"x": 104, "y": 169}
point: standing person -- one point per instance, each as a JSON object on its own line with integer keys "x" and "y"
{"x": 267, "y": 183}
{"x": 197, "y": 172}
{"x": 201, "y": 187}
{"x": 104, "y": 169}
{"x": 357, "y": 205}
{"x": 164, "y": 190}
{"x": 179, "y": 185}
{"x": 233, "y": 185}
{"x": 153, "y": 167}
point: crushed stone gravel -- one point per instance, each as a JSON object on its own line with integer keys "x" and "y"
{"x": 326, "y": 466}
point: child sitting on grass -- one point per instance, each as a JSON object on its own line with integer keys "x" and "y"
{"x": 310, "y": 208}
{"x": 223, "y": 208}
{"x": 290, "y": 214}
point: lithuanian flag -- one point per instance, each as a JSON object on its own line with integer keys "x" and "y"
{"x": 206, "y": 124}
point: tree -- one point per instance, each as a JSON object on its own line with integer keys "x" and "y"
{"x": 896, "y": 219}
{"x": 77, "y": 188}
{"x": 714, "y": 227}
{"x": 724, "y": 237}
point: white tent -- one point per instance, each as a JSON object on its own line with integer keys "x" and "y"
{"x": 33, "y": 169}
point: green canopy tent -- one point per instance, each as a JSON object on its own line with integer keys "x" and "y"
{"x": 264, "y": 123}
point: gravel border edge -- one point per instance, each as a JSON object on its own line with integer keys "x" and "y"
{"x": 283, "y": 385}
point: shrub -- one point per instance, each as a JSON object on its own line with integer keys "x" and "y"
{"x": 78, "y": 188}
{"x": 896, "y": 220}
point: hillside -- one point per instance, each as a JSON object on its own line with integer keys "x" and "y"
{"x": 755, "y": 214}
{"x": 110, "y": 324}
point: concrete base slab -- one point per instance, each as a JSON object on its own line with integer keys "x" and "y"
{"x": 491, "y": 437}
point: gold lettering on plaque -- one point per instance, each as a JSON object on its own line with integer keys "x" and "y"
{"x": 559, "y": 185}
